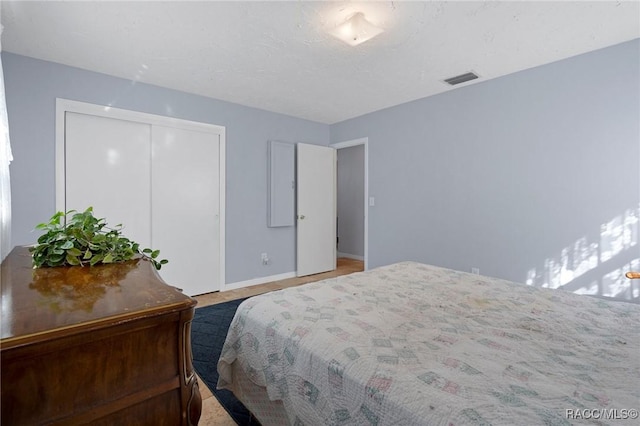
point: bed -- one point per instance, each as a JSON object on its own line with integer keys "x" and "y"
{"x": 413, "y": 344}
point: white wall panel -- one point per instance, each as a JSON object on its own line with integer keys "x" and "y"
{"x": 281, "y": 189}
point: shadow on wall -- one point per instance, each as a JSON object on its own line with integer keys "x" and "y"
{"x": 597, "y": 268}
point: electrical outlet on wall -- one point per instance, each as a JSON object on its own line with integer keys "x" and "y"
{"x": 265, "y": 259}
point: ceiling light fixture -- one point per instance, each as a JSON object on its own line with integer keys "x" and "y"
{"x": 356, "y": 30}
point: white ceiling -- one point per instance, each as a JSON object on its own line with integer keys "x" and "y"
{"x": 278, "y": 56}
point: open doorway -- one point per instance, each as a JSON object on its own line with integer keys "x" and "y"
{"x": 352, "y": 201}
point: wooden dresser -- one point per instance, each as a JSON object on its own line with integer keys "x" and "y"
{"x": 101, "y": 345}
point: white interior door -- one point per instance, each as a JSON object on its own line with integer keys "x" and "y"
{"x": 316, "y": 209}
{"x": 185, "y": 207}
{"x": 104, "y": 169}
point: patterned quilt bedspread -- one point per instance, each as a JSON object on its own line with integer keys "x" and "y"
{"x": 412, "y": 344}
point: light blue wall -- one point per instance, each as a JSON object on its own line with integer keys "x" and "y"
{"x": 350, "y": 198}
{"x": 514, "y": 175}
{"x": 31, "y": 89}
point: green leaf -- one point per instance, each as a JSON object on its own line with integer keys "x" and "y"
{"x": 72, "y": 260}
{"x": 108, "y": 258}
{"x": 67, "y": 245}
{"x": 74, "y": 252}
{"x": 155, "y": 254}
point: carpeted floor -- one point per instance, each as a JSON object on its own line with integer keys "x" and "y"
{"x": 208, "y": 332}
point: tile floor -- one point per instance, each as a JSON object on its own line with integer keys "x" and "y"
{"x": 212, "y": 412}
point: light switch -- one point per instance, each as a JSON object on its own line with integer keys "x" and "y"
{"x": 372, "y": 201}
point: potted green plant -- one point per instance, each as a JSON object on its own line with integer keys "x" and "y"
{"x": 79, "y": 239}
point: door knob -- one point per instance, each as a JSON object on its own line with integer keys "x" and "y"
{"x": 633, "y": 275}
{"x": 301, "y": 216}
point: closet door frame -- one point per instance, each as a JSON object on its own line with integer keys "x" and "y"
{"x": 65, "y": 105}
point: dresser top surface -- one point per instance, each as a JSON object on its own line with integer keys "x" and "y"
{"x": 39, "y": 301}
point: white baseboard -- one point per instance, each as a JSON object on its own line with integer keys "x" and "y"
{"x": 350, "y": 256}
{"x": 256, "y": 281}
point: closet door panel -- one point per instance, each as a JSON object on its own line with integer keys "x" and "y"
{"x": 185, "y": 210}
{"x": 107, "y": 166}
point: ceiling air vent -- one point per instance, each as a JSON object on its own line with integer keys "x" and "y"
{"x": 461, "y": 78}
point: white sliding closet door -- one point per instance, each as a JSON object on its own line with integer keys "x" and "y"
{"x": 185, "y": 207}
{"x": 107, "y": 166}
{"x": 162, "y": 178}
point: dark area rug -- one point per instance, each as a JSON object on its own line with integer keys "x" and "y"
{"x": 208, "y": 332}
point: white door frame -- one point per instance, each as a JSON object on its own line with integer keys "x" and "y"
{"x": 66, "y": 105}
{"x": 349, "y": 144}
